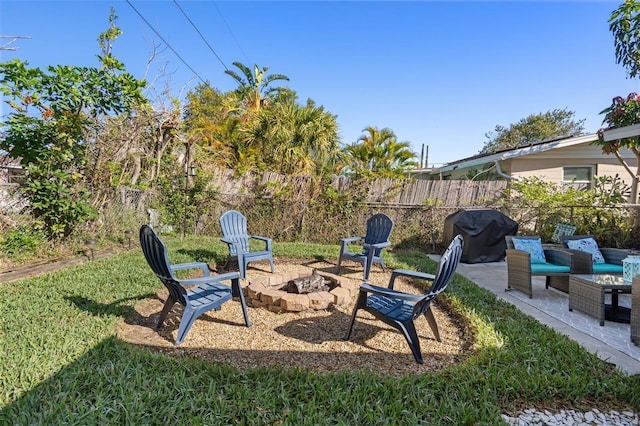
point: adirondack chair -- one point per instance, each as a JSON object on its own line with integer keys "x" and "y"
{"x": 400, "y": 310}
{"x": 379, "y": 227}
{"x": 234, "y": 231}
{"x": 203, "y": 294}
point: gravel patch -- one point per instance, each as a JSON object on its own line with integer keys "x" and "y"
{"x": 310, "y": 340}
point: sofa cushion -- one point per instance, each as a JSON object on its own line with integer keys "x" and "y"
{"x": 607, "y": 268}
{"x": 590, "y": 246}
{"x": 548, "y": 268}
{"x": 531, "y": 246}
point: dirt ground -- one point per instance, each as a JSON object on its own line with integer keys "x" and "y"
{"x": 309, "y": 340}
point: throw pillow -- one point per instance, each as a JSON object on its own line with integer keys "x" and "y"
{"x": 531, "y": 246}
{"x": 590, "y": 246}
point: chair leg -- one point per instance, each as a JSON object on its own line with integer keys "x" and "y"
{"x": 236, "y": 291}
{"x": 411, "y": 336}
{"x": 188, "y": 318}
{"x": 168, "y": 304}
{"x": 368, "y": 261}
{"x": 242, "y": 265}
{"x": 273, "y": 269}
{"x": 360, "y": 302}
{"x": 432, "y": 323}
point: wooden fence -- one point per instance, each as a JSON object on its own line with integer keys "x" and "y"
{"x": 409, "y": 192}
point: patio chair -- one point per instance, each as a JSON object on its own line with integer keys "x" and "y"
{"x": 562, "y": 229}
{"x": 526, "y": 258}
{"x": 400, "y": 310}
{"x": 589, "y": 258}
{"x": 234, "y": 231}
{"x": 379, "y": 228}
{"x": 197, "y": 295}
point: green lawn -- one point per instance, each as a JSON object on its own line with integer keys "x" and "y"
{"x": 61, "y": 362}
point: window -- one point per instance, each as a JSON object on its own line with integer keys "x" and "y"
{"x": 580, "y": 177}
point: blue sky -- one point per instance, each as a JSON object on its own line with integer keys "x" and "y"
{"x": 439, "y": 74}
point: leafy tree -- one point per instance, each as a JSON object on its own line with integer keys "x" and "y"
{"x": 533, "y": 200}
{"x": 253, "y": 85}
{"x": 624, "y": 23}
{"x": 212, "y": 119}
{"x": 295, "y": 139}
{"x": 623, "y": 112}
{"x": 379, "y": 154}
{"x": 534, "y": 128}
{"x": 53, "y": 113}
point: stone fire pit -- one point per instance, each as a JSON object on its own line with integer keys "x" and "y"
{"x": 270, "y": 292}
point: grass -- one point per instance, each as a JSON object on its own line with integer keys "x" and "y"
{"x": 61, "y": 362}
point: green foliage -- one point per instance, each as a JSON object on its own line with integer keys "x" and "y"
{"x": 254, "y": 85}
{"x": 56, "y": 200}
{"x": 534, "y": 128}
{"x": 53, "y": 112}
{"x": 294, "y": 139}
{"x": 378, "y": 154}
{"x": 593, "y": 211}
{"x": 622, "y": 112}
{"x": 22, "y": 241}
{"x": 624, "y": 24}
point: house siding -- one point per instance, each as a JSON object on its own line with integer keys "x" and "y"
{"x": 549, "y": 165}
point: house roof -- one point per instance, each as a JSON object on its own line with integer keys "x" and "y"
{"x": 519, "y": 151}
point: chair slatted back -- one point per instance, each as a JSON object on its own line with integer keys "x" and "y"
{"x": 444, "y": 273}
{"x": 379, "y": 228}
{"x": 234, "y": 228}
{"x": 156, "y": 254}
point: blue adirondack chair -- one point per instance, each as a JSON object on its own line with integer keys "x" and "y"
{"x": 234, "y": 231}
{"x": 379, "y": 227}
{"x": 400, "y": 310}
{"x": 204, "y": 294}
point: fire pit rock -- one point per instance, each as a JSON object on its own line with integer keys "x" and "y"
{"x": 279, "y": 293}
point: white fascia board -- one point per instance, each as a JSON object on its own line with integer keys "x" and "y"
{"x": 621, "y": 132}
{"x": 519, "y": 152}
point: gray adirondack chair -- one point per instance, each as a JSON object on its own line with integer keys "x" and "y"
{"x": 234, "y": 231}
{"x": 400, "y": 310}
{"x": 379, "y": 228}
{"x": 205, "y": 293}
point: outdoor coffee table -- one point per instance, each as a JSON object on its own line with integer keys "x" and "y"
{"x": 586, "y": 295}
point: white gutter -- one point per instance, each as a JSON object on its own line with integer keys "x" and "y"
{"x": 503, "y": 174}
{"x": 517, "y": 152}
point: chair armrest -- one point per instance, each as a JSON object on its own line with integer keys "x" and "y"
{"x": 193, "y": 265}
{"x": 518, "y": 255}
{"x": 377, "y": 245}
{"x": 211, "y": 278}
{"x": 407, "y": 273}
{"x": 387, "y": 292}
{"x": 582, "y": 261}
{"x": 351, "y": 240}
{"x": 559, "y": 257}
{"x": 615, "y": 256}
{"x": 267, "y": 241}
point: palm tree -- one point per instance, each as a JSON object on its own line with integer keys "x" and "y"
{"x": 295, "y": 139}
{"x": 379, "y": 154}
{"x": 253, "y": 85}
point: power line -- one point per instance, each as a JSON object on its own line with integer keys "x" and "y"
{"x": 226, "y": 24}
{"x": 199, "y": 33}
{"x": 165, "y": 42}
{"x": 5, "y": 46}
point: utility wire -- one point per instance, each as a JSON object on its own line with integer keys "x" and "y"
{"x": 199, "y": 33}
{"x": 165, "y": 42}
{"x": 226, "y": 24}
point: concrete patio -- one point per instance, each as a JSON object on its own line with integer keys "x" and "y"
{"x": 610, "y": 342}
